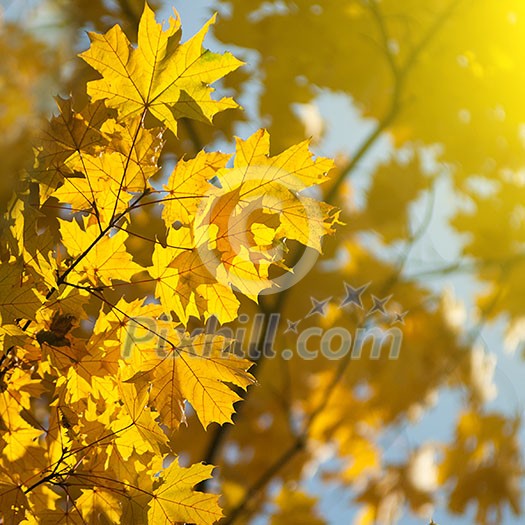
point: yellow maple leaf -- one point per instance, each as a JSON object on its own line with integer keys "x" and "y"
{"x": 105, "y": 189}
{"x": 141, "y": 146}
{"x": 186, "y": 282}
{"x": 107, "y": 260}
{"x": 18, "y": 297}
{"x": 174, "y": 501}
{"x": 186, "y": 185}
{"x": 295, "y": 506}
{"x": 67, "y": 133}
{"x": 18, "y": 435}
{"x": 166, "y": 78}
{"x": 13, "y": 501}
{"x": 98, "y": 502}
{"x": 135, "y": 426}
{"x": 260, "y": 200}
{"x": 202, "y": 370}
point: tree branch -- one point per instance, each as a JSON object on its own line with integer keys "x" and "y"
{"x": 400, "y": 76}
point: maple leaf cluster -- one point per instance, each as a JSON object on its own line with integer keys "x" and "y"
{"x": 95, "y": 382}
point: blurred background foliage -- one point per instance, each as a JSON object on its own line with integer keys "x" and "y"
{"x": 421, "y": 103}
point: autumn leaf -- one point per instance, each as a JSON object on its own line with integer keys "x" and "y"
{"x": 15, "y": 406}
{"x": 166, "y": 78}
{"x": 259, "y": 204}
{"x": 187, "y": 184}
{"x": 295, "y": 505}
{"x": 97, "y": 502}
{"x": 186, "y": 281}
{"x": 108, "y": 260}
{"x": 67, "y": 133}
{"x": 201, "y": 370}
{"x": 13, "y": 498}
{"x": 174, "y": 500}
{"x": 142, "y": 433}
{"x": 18, "y": 297}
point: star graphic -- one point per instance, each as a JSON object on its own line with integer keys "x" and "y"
{"x": 292, "y": 326}
{"x": 353, "y": 295}
{"x": 399, "y": 318}
{"x": 379, "y": 304}
{"x": 319, "y": 307}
